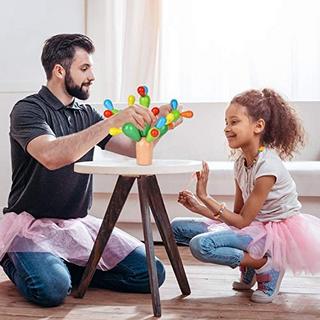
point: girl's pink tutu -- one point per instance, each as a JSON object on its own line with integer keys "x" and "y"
{"x": 70, "y": 239}
{"x": 293, "y": 243}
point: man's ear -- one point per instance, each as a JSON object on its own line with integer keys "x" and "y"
{"x": 59, "y": 71}
{"x": 260, "y": 125}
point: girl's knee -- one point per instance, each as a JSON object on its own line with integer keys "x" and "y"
{"x": 186, "y": 228}
{"x": 203, "y": 247}
{"x": 210, "y": 248}
{"x": 198, "y": 247}
{"x": 176, "y": 224}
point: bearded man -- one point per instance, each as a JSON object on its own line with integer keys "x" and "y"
{"x": 46, "y": 233}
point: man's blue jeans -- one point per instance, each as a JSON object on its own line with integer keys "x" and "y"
{"x": 220, "y": 247}
{"x": 46, "y": 280}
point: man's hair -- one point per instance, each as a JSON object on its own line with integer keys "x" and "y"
{"x": 61, "y": 48}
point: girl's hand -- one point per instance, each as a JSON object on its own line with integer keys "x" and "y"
{"x": 202, "y": 181}
{"x": 189, "y": 200}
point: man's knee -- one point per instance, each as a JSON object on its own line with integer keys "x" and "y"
{"x": 134, "y": 274}
{"x": 144, "y": 277}
{"x": 49, "y": 292}
{"x": 41, "y": 277}
{"x": 161, "y": 272}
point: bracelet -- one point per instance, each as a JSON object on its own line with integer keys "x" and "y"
{"x": 220, "y": 211}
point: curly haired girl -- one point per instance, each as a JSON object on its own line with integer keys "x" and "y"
{"x": 265, "y": 233}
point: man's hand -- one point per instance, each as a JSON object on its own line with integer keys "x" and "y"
{"x": 165, "y": 109}
{"x": 137, "y": 115}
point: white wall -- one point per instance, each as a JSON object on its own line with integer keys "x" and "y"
{"x": 24, "y": 26}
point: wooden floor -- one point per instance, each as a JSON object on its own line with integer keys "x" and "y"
{"x": 211, "y": 298}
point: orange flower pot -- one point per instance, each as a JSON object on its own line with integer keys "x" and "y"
{"x": 144, "y": 152}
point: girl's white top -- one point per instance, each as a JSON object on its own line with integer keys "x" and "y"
{"x": 282, "y": 201}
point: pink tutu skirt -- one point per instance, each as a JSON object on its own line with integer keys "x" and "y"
{"x": 71, "y": 239}
{"x": 293, "y": 243}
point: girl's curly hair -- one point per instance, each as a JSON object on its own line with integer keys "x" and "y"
{"x": 283, "y": 130}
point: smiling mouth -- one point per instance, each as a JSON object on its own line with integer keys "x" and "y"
{"x": 87, "y": 85}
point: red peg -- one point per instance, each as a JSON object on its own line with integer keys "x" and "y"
{"x": 107, "y": 113}
{"x": 186, "y": 114}
{"x": 154, "y": 133}
{"x": 141, "y": 91}
{"x": 155, "y": 110}
{"x": 170, "y": 126}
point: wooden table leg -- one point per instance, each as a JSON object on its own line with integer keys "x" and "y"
{"x": 164, "y": 227}
{"x": 118, "y": 199}
{"x": 147, "y": 231}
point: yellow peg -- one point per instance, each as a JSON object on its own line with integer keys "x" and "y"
{"x": 115, "y": 131}
{"x": 170, "y": 118}
{"x": 131, "y": 100}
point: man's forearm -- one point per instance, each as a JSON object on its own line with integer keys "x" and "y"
{"x": 68, "y": 149}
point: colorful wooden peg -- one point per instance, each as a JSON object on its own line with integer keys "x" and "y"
{"x": 115, "y": 131}
{"x": 186, "y": 114}
{"x": 176, "y": 114}
{"x": 161, "y": 122}
{"x": 141, "y": 91}
{"x": 131, "y": 100}
{"x": 155, "y": 110}
{"x": 169, "y": 117}
{"x": 108, "y": 104}
{"x": 174, "y": 104}
{"x": 107, "y": 113}
{"x": 152, "y": 134}
{"x": 131, "y": 131}
{"x": 145, "y": 101}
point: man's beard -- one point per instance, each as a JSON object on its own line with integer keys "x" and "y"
{"x": 75, "y": 90}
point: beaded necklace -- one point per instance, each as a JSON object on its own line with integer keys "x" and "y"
{"x": 249, "y": 171}
{"x": 260, "y": 149}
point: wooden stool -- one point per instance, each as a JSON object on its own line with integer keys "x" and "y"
{"x": 150, "y": 198}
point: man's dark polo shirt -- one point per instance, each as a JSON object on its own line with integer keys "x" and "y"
{"x": 60, "y": 193}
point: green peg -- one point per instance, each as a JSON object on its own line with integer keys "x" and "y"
{"x": 131, "y": 131}
{"x": 144, "y": 132}
{"x": 176, "y": 114}
{"x": 145, "y": 101}
{"x": 163, "y": 130}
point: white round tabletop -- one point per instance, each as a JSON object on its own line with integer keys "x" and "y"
{"x": 130, "y": 168}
